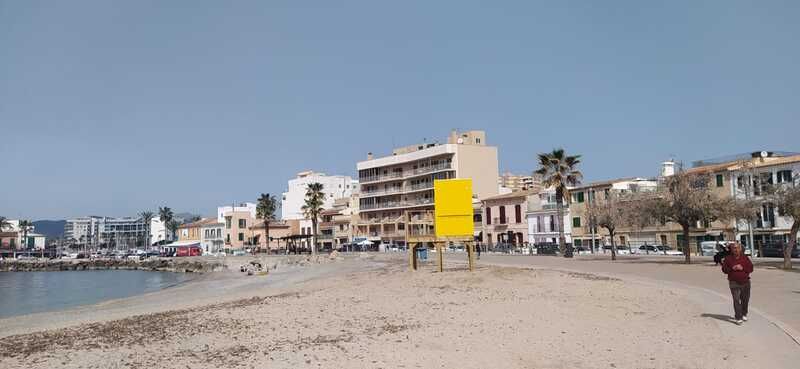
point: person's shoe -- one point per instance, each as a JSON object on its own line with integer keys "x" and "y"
{"x": 739, "y": 322}
{"x": 744, "y": 318}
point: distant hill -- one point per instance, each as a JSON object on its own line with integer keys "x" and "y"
{"x": 50, "y": 228}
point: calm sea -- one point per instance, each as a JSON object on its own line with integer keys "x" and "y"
{"x": 33, "y": 292}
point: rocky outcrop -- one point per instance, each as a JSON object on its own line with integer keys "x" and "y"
{"x": 179, "y": 265}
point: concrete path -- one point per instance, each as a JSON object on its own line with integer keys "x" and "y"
{"x": 775, "y": 295}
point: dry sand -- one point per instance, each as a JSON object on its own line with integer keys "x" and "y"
{"x": 390, "y": 318}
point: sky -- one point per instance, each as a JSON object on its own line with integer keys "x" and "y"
{"x": 114, "y": 107}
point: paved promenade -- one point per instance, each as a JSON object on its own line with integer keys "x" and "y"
{"x": 775, "y": 294}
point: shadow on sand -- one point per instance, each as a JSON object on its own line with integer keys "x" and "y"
{"x": 724, "y": 318}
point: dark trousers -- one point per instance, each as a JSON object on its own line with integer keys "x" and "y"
{"x": 741, "y": 298}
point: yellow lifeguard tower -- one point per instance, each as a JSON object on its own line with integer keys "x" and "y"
{"x": 450, "y": 221}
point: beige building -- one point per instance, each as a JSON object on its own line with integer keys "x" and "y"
{"x": 515, "y": 182}
{"x": 237, "y": 232}
{"x": 191, "y": 231}
{"x": 403, "y": 181}
{"x": 504, "y": 218}
{"x": 279, "y": 230}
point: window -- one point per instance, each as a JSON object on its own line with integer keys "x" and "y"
{"x": 477, "y": 140}
{"x": 518, "y": 213}
{"x": 784, "y": 176}
{"x": 719, "y": 180}
{"x": 242, "y": 223}
{"x": 227, "y": 222}
{"x": 552, "y": 224}
{"x": 576, "y": 222}
{"x": 227, "y": 238}
{"x": 664, "y": 239}
{"x": 241, "y": 236}
{"x": 578, "y": 242}
{"x": 502, "y": 214}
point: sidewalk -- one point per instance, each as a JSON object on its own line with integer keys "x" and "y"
{"x": 775, "y": 293}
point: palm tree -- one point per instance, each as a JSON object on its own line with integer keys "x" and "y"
{"x": 559, "y": 171}
{"x": 313, "y": 206}
{"x": 147, "y": 216}
{"x": 267, "y": 204}
{"x": 25, "y": 227}
{"x": 165, "y": 215}
{"x": 172, "y": 225}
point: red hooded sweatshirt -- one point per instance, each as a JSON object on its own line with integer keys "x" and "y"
{"x": 740, "y": 276}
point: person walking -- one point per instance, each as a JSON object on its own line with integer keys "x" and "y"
{"x": 738, "y": 268}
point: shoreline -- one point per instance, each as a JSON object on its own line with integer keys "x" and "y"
{"x": 205, "y": 289}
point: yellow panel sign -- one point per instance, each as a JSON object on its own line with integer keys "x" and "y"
{"x": 453, "y": 208}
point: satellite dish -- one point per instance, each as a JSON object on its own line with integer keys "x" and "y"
{"x": 460, "y": 140}
{"x": 764, "y": 154}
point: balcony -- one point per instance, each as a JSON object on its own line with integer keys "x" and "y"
{"x": 385, "y": 177}
{"x": 406, "y": 174}
{"x": 397, "y": 204}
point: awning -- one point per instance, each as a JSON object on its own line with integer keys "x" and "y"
{"x": 184, "y": 243}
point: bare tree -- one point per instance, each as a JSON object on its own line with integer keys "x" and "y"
{"x": 686, "y": 199}
{"x": 609, "y": 213}
{"x": 786, "y": 197}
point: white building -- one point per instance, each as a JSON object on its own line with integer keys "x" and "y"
{"x": 212, "y": 239}
{"x": 761, "y": 171}
{"x": 34, "y": 240}
{"x": 542, "y": 216}
{"x": 243, "y": 207}
{"x": 117, "y": 233}
{"x": 335, "y": 187}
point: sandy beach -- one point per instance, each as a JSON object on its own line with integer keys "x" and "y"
{"x": 373, "y": 313}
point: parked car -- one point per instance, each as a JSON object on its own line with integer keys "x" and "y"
{"x": 775, "y": 250}
{"x": 663, "y": 249}
{"x": 644, "y": 249}
{"x": 621, "y": 249}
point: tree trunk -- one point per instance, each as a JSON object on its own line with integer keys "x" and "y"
{"x": 787, "y": 250}
{"x": 266, "y": 231}
{"x": 313, "y": 236}
{"x": 686, "y": 249}
{"x": 562, "y": 242}
{"x": 613, "y": 244}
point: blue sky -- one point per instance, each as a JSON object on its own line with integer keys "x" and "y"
{"x": 111, "y": 107}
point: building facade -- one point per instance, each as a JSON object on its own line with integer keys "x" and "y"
{"x": 392, "y": 185}
{"x": 335, "y": 187}
{"x": 504, "y": 218}
{"x": 236, "y": 232}
{"x": 212, "y": 237}
{"x": 106, "y": 232}
{"x": 542, "y": 217}
{"x": 583, "y": 234}
{"x": 514, "y": 182}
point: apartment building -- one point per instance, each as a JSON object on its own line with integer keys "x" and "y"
{"x": 335, "y": 227}
{"x": 504, "y": 219}
{"x": 403, "y": 181}
{"x": 514, "y": 182}
{"x": 584, "y": 235}
{"x": 542, "y": 218}
{"x": 212, "y": 237}
{"x": 117, "y": 233}
{"x": 335, "y": 187}
{"x": 748, "y": 179}
{"x": 236, "y": 231}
